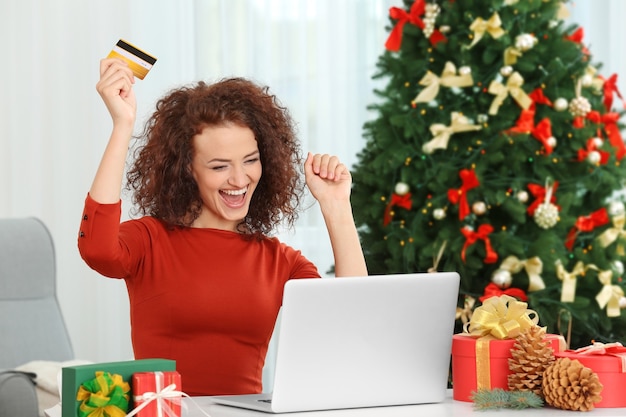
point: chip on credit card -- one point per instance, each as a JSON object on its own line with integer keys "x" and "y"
{"x": 138, "y": 61}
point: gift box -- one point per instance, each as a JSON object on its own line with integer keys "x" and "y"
{"x": 480, "y": 355}
{"x": 73, "y": 377}
{"x": 484, "y": 363}
{"x": 608, "y": 361}
{"x": 157, "y": 394}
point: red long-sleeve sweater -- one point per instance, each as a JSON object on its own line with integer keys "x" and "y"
{"x": 206, "y": 298}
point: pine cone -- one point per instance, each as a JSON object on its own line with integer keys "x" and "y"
{"x": 530, "y": 356}
{"x": 569, "y": 385}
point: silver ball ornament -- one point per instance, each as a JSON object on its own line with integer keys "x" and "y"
{"x": 618, "y": 267}
{"x": 439, "y": 214}
{"x": 465, "y": 70}
{"x": 525, "y": 41}
{"x": 622, "y": 303}
{"x": 479, "y": 208}
{"x": 551, "y": 141}
{"x": 598, "y": 142}
{"x": 522, "y": 196}
{"x": 401, "y": 188}
{"x": 594, "y": 157}
{"x": 616, "y": 208}
{"x": 506, "y": 71}
{"x": 560, "y": 104}
{"x": 586, "y": 80}
{"x": 502, "y": 278}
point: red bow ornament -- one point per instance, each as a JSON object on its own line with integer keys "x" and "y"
{"x": 543, "y": 133}
{"x": 482, "y": 234}
{"x": 586, "y": 224}
{"x": 612, "y": 130}
{"x": 592, "y": 147}
{"x": 398, "y": 200}
{"x": 414, "y": 17}
{"x": 492, "y": 290}
{"x": 577, "y": 37}
{"x": 459, "y": 196}
{"x": 610, "y": 87}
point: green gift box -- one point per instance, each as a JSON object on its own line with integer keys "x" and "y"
{"x": 74, "y": 376}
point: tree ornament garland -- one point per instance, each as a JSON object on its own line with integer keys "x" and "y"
{"x": 530, "y": 356}
{"x": 569, "y": 385}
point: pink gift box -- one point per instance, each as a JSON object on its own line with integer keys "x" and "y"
{"x": 157, "y": 394}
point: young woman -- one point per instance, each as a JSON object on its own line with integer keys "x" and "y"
{"x": 219, "y": 169}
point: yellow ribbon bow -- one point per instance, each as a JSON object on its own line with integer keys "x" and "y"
{"x": 442, "y": 132}
{"x": 465, "y": 313}
{"x": 533, "y": 267}
{"x": 514, "y": 88}
{"x": 449, "y": 78}
{"x": 493, "y": 26}
{"x": 614, "y": 233}
{"x": 502, "y": 317}
{"x": 568, "y": 290}
{"x": 610, "y": 294}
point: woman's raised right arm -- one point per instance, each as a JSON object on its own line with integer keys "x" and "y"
{"x": 116, "y": 89}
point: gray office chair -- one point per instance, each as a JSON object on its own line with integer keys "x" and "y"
{"x": 31, "y": 325}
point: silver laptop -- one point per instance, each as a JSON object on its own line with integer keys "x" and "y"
{"x": 371, "y": 341}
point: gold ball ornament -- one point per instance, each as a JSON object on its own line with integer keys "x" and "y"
{"x": 401, "y": 188}
{"x": 579, "y": 106}
{"x": 479, "y": 208}
{"x": 439, "y": 214}
{"x": 546, "y": 215}
{"x": 560, "y": 104}
{"x": 502, "y": 278}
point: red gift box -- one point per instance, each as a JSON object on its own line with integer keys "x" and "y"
{"x": 484, "y": 363}
{"x": 609, "y": 363}
{"x": 157, "y": 394}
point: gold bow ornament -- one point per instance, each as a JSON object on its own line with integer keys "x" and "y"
{"x": 609, "y": 295}
{"x": 614, "y": 233}
{"x": 568, "y": 289}
{"x": 459, "y": 123}
{"x": 449, "y": 78}
{"x": 480, "y": 26}
{"x": 514, "y": 88}
{"x": 533, "y": 267}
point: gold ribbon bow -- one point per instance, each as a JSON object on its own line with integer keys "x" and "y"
{"x": 533, "y": 267}
{"x": 442, "y": 132}
{"x": 610, "y": 294}
{"x": 501, "y": 317}
{"x": 493, "y": 26}
{"x": 449, "y": 78}
{"x": 465, "y": 313}
{"x": 514, "y": 88}
{"x": 614, "y": 233}
{"x": 568, "y": 290}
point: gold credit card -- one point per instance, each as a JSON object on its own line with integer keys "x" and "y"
{"x": 138, "y": 61}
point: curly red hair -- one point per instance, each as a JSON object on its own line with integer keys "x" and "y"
{"x": 161, "y": 175}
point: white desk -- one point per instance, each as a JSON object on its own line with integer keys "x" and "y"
{"x": 448, "y": 408}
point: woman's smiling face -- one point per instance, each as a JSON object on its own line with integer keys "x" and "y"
{"x": 227, "y": 168}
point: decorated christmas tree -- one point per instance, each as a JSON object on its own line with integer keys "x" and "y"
{"x": 495, "y": 151}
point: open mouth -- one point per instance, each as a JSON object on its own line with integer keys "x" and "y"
{"x": 234, "y": 198}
